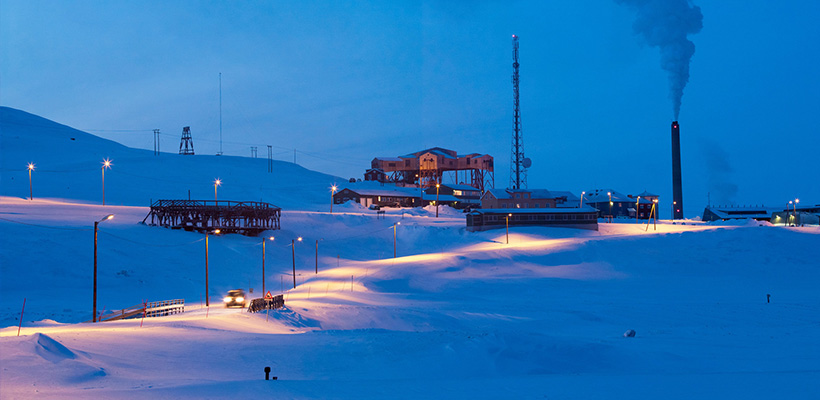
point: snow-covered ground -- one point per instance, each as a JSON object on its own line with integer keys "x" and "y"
{"x": 455, "y": 315}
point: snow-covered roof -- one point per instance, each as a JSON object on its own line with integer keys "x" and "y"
{"x": 584, "y": 209}
{"x": 534, "y": 194}
{"x": 461, "y": 187}
{"x": 601, "y": 196}
{"x": 389, "y": 159}
{"x": 376, "y": 189}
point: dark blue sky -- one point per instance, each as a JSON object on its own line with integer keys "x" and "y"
{"x": 343, "y": 82}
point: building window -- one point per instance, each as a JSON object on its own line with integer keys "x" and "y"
{"x": 536, "y": 205}
{"x": 503, "y": 205}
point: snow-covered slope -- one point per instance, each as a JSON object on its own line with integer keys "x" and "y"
{"x": 454, "y": 315}
{"x": 68, "y": 165}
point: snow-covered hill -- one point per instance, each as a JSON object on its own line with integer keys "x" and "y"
{"x": 454, "y": 315}
{"x": 68, "y": 165}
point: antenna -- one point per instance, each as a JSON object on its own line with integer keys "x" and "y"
{"x": 220, "y": 114}
{"x": 186, "y": 145}
{"x": 518, "y": 164}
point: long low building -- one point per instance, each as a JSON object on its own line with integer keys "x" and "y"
{"x": 498, "y": 218}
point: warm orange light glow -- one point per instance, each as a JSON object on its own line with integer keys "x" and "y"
{"x": 110, "y": 216}
{"x": 218, "y": 182}
{"x": 106, "y": 163}
{"x": 216, "y": 232}
{"x": 31, "y": 166}
{"x": 299, "y": 238}
{"x": 333, "y": 189}
{"x": 271, "y": 238}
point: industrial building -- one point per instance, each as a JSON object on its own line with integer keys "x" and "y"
{"x": 426, "y": 168}
{"x": 528, "y": 198}
{"x": 577, "y": 217}
{"x": 614, "y": 204}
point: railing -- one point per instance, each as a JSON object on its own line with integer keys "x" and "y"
{"x": 148, "y": 309}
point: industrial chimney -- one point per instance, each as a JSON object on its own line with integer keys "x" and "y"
{"x": 677, "y": 189}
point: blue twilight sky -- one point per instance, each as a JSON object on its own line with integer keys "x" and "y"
{"x": 345, "y": 81}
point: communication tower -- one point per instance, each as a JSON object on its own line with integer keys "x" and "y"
{"x": 186, "y": 145}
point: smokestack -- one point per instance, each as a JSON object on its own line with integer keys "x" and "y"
{"x": 677, "y": 189}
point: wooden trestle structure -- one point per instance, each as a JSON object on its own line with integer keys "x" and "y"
{"x": 245, "y": 217}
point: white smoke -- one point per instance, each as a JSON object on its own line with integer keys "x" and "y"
{"x": 665, "y": 24}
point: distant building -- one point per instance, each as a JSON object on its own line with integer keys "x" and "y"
{"x": 724, "y": 213}
{"x": 528, "y": 198}
{"x": 577, "y": 217}
{"x": 610, "y": 202}
{"x": 383, "y": 196}
{"x": 456, "y": 196}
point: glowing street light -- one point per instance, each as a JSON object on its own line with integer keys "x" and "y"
{"x": 610, "y": 203}
{"x": 97, "y": 223}
{"x": 394, "y": 238}
{"x": 674, "y": 204}
{"x": 582, "y": 199}
{"x": 508, "y": 227}
{"x": 217, "y": 182}
{"x": 293, "y": 254}
{"x": 105, "y": 164}
{"x": 332, "y": 191}
{"x": 263, "y": 264}
{"x": 437, "y": 188}
{"x": 637, "y": 208}
{"x": 30, "y": 190}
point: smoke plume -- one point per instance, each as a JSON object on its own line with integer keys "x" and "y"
{"x": 665, "y": 24}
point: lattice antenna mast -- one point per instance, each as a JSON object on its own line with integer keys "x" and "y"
{"x": 186, "y": 145}
{"x": 517, "y": 167}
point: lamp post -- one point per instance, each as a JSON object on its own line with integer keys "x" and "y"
{"x": 96, "y": 223}
{"x": 263, "y": 265}
{"x": 30, "y": 188}
{"x": 637, "y": 207}
{"x": 207, "y": 301}
{"x": 293, "y": 254}
{"x": 217, "y": 182}
{"x": 582, "y": 199}
{"x": 674, "y": 203}
{"x": 795, "y": 211}
{"x": 394, "y": 238}
{"x": 437, "y": 188}
{"x": 610, "y": 204}
{"x": 508, "y": 227}
{"x": 332, "y": 191}
{"x": 105, "y": 164}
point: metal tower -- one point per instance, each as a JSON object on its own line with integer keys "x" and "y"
{"x": 186, "y": 145}
{"x": 518, "y": 164}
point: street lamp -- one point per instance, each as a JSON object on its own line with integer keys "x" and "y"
{"x": 582, "y": 199}
{"x": 105, "y": 164}
{"x": 674, "y": 203}
{"x": 610, "y": 204}
{"x": 637, "y": 208}
{"x": 96, "y": 223}
{"x": 394, "y": 238}
{"x": 293, "y": 254}
{"x": 508, "y": 227}
{"x": 332, "y": 191}
{"x": 217, "y": 182}
{"x": 263, "y": 265}
{"x": 437, "y": 187}
{"x": 207, "y": 301}
{"x": 30, "y": 190}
